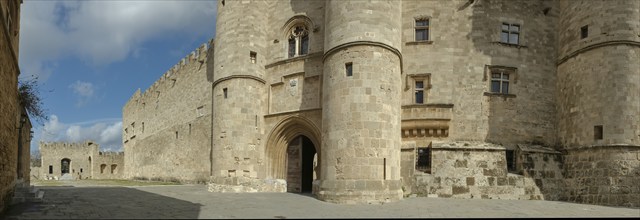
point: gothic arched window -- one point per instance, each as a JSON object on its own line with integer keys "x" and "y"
{"x": 298, "y": 41}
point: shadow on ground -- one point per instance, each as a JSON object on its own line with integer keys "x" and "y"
{"x": 65, "y": 202}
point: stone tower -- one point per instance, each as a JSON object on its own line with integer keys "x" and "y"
{"x": 598, "y": 102}
{"x": 238, "y": 91}
{"x": 361, "y": 105}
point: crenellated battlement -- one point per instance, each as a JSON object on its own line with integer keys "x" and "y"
{"x": 195, "y": 57}
{"x": 68, "y": 145}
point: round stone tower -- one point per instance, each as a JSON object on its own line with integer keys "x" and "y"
{"x": 361, "y": 102}
{"x": 238, "y": 92}
{"x": 598, "y": 102}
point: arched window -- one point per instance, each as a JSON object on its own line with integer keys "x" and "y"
{"x": 102, "y": 167}
{"x": 298, "y": 41}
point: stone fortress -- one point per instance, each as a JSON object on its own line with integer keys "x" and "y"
{"x": 370, "y": 101}
{"x": 75, "y": 161}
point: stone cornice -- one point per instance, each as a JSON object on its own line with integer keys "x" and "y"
{"x": 597, "y": 45}
{"x": 363, "y": 43}
{"x": 238, "y": 77}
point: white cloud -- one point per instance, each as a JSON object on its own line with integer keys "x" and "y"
{"x": 83, "y": 89}
{"x": 103, "y": 32}
{"x": 107, "y": 133}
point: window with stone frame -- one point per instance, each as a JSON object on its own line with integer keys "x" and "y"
{"x": 500, "y": 82}
{"x": 423, "y": 159}
{"x": 419, "y": 92}
{"x": 501, "y": 79}
{"x": 510, "y": 33}
{"x": 422, "y": 29}
{"x": 421, "y": 83}
{"x": 298, "y": 42}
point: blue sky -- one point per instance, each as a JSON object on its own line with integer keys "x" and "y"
{"x": 91, "y": 56}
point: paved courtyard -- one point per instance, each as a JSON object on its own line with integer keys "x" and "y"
{"x": 193, "y": 201}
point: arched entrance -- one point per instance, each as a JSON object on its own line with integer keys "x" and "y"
{"x": 293, "y": 154}
{"x": 300, "y": 165}
{"x": 64, "y": 165}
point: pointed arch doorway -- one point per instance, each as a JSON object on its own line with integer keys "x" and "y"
{"x": 294, "y": 155}
{"x": 301, "y": 161}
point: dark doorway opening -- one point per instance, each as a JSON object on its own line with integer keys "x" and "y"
{"x": 65, "y": 165}
{"x": 308, "y": 154}
{"x": 301, "y": 154}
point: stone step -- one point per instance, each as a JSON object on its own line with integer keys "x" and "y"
{"x": 66, "y": 176}
{"x": 30, "y": 194}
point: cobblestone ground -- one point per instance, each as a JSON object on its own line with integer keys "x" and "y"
{"x": 193, "y": 201}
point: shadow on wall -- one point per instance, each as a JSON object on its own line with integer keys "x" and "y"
{"x": 106, "y": 202}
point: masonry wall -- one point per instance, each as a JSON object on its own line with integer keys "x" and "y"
{"x": 107, "y": 165}
{"x": 24, "y": 151}
{"x": 464, "y": 39}
{"x": 478, "y": 170}
{"x": 9, "y": 106}
{"x": 603, "y": 176}
{"x": 80, "y": 156}
{"x": 598, "y": 83}
{"x": 167, "y": 128}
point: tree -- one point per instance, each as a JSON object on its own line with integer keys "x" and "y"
{"x": 35, "y": 159}
{"x": 29, "y": 95}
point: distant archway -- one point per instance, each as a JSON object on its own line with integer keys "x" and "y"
{"x": 294, "y": 131}
{"x": 64, "y": 165}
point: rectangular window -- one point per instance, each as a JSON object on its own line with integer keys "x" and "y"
{"x": 142, "y": 127}
{"x": 200, "y": 111}
{"x": 499, "y": 82}
{"x": 50, "y": 169}
{"x": 422, "y": 30}
{"x": 304, "y": 45}
{"x": 292, "y": 47}
{"x": 176, "y": 134}
{"x": 419, "y": 89}
{"x": 224, "y": 91}
{"x": 597, "y": 132}
{"x": 423, "y": 160}
{"x": 253, "y": 56}
{"x": 584, "y": 32}
{"x": 511, "y": 161}
{"x": 348, "y": 69}
{"x": 510, "y": 33}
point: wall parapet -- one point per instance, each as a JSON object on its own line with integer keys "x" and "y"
{"x": 195, "y": 57}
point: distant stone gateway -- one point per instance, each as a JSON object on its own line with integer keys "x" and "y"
{"x": 77, "y": 161}
{"x": 371, "y": 101}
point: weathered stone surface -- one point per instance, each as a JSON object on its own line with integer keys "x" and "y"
{"x": 260, "y": 99}
{"x": 167, "y": 127}
{"x": 86, "y": 161}
{"x": 13, "y": 169}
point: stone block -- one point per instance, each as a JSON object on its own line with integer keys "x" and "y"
{"x": 459, "y": 190}
{"x": 501, "y": 181}
{"x": 470, "y": 181}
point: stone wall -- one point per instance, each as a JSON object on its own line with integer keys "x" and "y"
{"x": 108, "y": 165}
{"x": 545, "y": 166}
{"x": 257, "y": 106}
{"x": 598, "y": 103}
{"x": 80, "y": 155}
{"x": 24, "y": 150}
{"x": 9, "y": 106}
{"x": 607, "y": 175}
{"x": 479, "y": 170}
{"x": 167, "y": 128}
{"x": 464, "y": 40}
